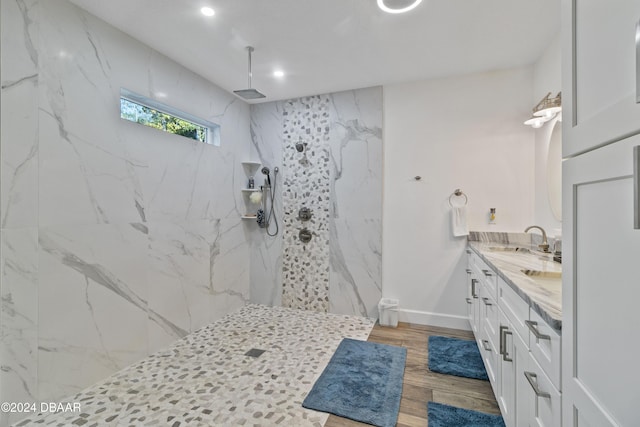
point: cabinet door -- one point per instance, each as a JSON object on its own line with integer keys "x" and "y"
{"x": 469, "y": 298}
{"x": 544, "y": 407}
{"x": 544, "y": 344}
{"x": 490, "y": 357}
{"x": 524, "y": 396}
{"x": 507, "y": 366}
{"x": 599, "y": 73}
{"x": 601, "y": 288}
{"x": 473, "y": 302}
{"x": 489, "y": 315}
{"x": 514, "y": 307}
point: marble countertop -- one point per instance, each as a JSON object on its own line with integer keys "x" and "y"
{"x": 543, "y": 294}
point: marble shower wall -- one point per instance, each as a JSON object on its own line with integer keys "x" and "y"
{"x": 339, "y": 270}
{"x": 116, "y": 239}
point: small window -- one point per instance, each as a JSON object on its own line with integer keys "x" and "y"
{"x": 146, "y": 111}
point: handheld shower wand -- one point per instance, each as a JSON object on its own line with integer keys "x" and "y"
{"x": 268, "y": 213}
{"x": 265, "y": 171}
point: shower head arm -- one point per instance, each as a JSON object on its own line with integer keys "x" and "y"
{"x": 249, "y": 50}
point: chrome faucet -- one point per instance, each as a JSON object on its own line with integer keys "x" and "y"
{"x": 544, "y": 246}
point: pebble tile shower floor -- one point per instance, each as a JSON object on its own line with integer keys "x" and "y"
{"x": 205, "y": 379}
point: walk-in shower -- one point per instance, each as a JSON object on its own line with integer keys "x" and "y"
{"x": 267, "y": 216}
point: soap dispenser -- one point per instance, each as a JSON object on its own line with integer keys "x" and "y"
{"x": 492, "y": 215}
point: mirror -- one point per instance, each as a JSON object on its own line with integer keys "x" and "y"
{"x": 554, "y": 170}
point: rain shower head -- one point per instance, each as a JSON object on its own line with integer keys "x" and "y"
{"x": 249, "y": 93}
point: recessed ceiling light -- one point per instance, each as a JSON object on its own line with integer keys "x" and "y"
{"x": 278, "y": 73}
{"x": 207, "y": 11}
{"x": 398, "y": 6}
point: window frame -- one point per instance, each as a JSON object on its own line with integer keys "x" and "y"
{"x": 212, "y": 136}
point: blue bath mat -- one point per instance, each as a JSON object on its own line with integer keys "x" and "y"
{"x": 454, "y": 356}
{"x": 362, "y": 382}
{"x": 440, "y": 415}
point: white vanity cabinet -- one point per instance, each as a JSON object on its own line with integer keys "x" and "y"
{"x": 599, "y": 96}
{"x": 600, "y": 287}
{"x": 521, "y": 352}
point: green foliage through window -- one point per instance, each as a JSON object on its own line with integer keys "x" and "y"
{"x": 148, "y": 116}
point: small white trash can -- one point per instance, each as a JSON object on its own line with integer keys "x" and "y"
{"x": 388, "y": 312}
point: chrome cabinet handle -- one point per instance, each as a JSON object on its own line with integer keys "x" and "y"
{"x": 636, "y": 187}
{"x": 486, "y": 345}
{"x": 486, "y": 273}
{"x": 531, "y": 377}
{"x": 533, "y": 327}
{"x": 468, "y": 300}
{"x": 504, "y": 331}
{"x": 485, "y": 301}
{"x": 468, "y": 271}
{"x": 473, "y": 288}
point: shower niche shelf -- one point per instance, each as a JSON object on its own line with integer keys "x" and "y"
{"x": 250, "y": 170}
{"x": 251, "y": 167}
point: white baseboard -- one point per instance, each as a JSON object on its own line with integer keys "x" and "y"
{"x": 434, "y": 319}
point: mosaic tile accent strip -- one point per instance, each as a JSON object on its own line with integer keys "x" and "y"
{"x": 205, "y": 379}
{"x": 307, "y": 183}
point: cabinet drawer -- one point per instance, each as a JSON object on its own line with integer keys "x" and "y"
{"x": 490, "y": 358}
{"x": 514, "y": 308}
{"x": 544, "y": 405}
{"x": 545, "y": 344}
{"x": 489, "y": 316}
{"x": 487, "y": 276}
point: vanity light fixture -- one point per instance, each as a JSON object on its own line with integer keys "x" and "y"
{"x": 398, "y": 6}
{"x": 278, "y": 73}
{"x": 536, "y": 122}
{"x": 545, "y": 110}
{"x": 207, "y": 11}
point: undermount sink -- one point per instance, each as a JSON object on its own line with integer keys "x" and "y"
{"x": 543, "y": 274}
{"x": 508, "y": 249}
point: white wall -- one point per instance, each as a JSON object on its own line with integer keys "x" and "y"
{"x": 546, "y": 78}
{"x": 461, "y": 132}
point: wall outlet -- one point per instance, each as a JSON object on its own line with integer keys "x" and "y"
{"x": 492, "y": 216}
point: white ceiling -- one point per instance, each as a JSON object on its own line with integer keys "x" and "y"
{"x": 331, "y": 45}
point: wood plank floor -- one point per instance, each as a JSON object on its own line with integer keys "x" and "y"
{"x": 420, "y": 385}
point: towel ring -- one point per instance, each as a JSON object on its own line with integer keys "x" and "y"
{"x": 458, "y": 193}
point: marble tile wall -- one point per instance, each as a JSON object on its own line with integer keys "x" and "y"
{"x": 116, "y": 239}
{"x": 266, "y": 251}
{"x": 355, "y": 278}
{"x": 352, "y": 250}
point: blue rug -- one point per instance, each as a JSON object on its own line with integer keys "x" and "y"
{"x": 440, "y": 415}
{"x": 362, "y": 382}
{"x": 454, "y": 356}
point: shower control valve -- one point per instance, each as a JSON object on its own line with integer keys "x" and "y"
{"x": 305, "y": 235}
{"x": 304, "y": 214}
